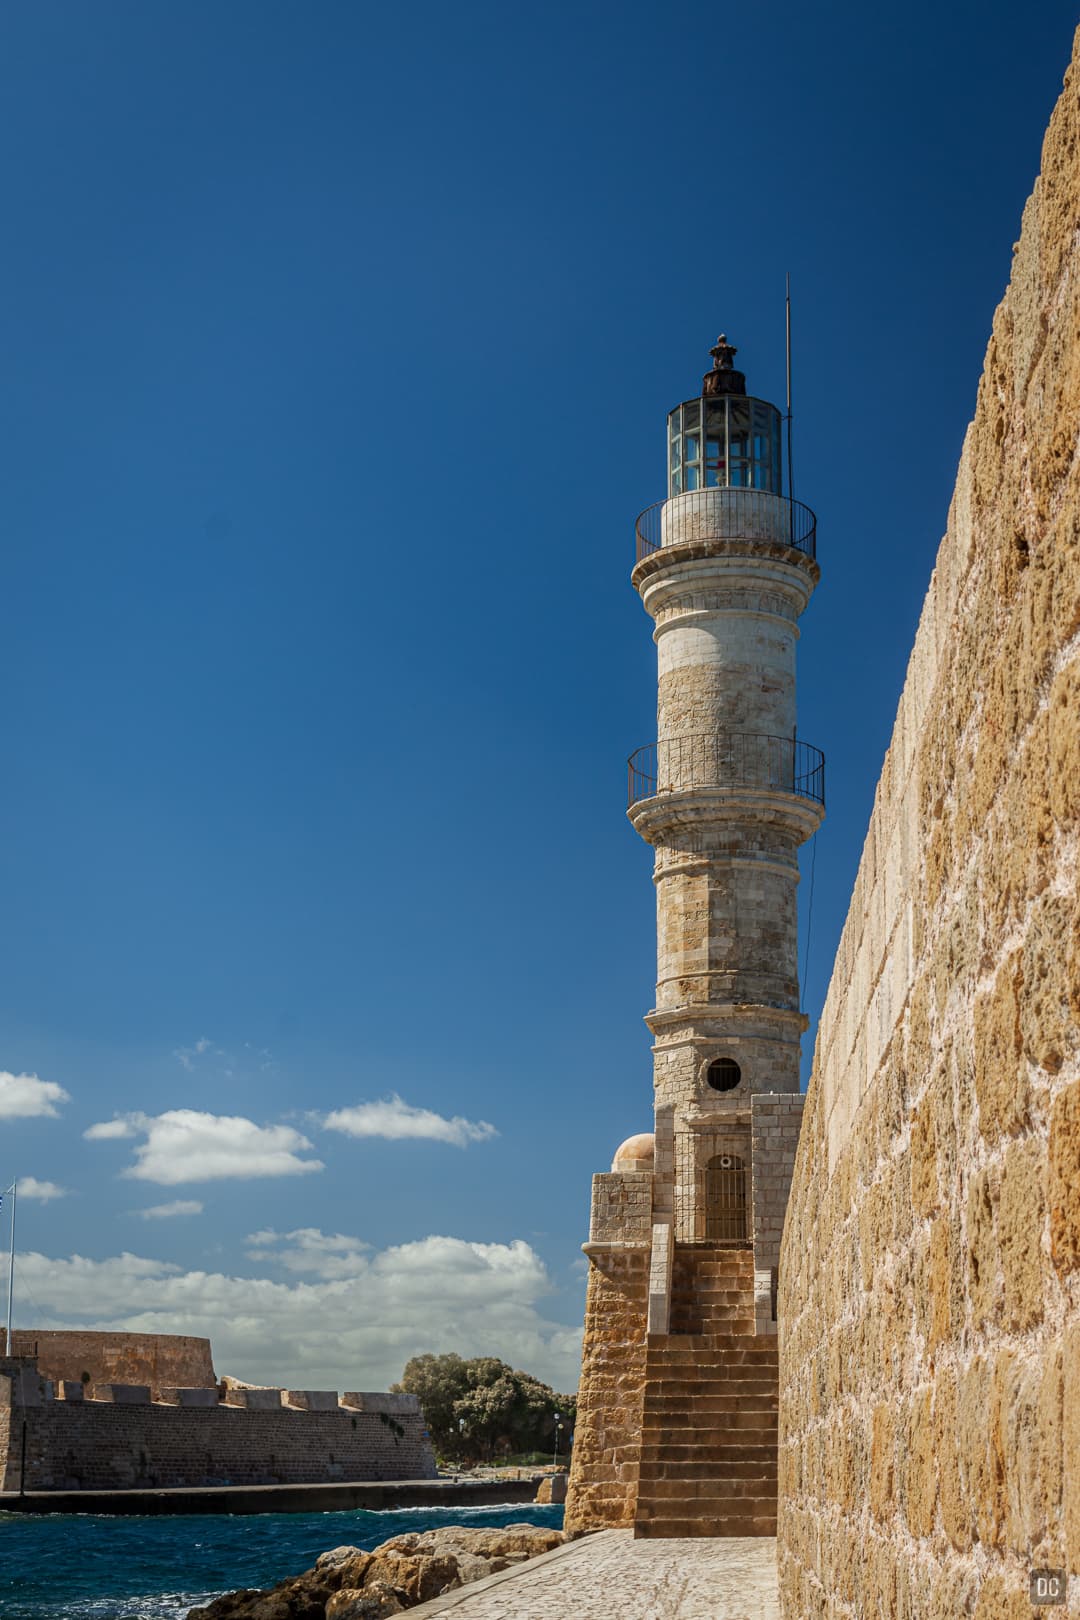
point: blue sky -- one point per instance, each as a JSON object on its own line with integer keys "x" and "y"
{"x": 338, "y": 346}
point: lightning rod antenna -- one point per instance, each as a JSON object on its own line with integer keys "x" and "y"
{"x": 787, "y": 325}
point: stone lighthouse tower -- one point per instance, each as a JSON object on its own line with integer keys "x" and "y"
{"x": 677, "y": 1412}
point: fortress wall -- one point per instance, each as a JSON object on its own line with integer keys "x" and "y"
{"x": 157, "y": 1359}
{"x": 98, "y": 1445}
{"x": 930, "y": 1269}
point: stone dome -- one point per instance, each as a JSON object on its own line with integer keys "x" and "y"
{"x": 636, "y": 1153}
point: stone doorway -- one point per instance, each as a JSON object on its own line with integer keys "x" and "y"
{"x": 725, "y": 1199}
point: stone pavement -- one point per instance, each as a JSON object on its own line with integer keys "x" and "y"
{"x": 610, "y": 1576}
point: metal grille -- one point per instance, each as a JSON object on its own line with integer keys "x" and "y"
{"x": 725, "y": 1199}
{"x": 752, "y": 515}
{"x": 728, "y": 760}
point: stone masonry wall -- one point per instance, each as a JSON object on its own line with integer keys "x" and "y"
{"x": 607, "y": 1435}
{"x": 157, "y": 1359}
{"x": 930, "y": 1271}
{"x": 131, "y": 1442}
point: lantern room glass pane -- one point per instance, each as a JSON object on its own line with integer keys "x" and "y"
{"x": 739, "y": 429}
{"x": 717, "y": 442}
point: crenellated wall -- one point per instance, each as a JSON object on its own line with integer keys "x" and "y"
{"x": 930, "y": 1270}
{"x": 118, "y": 1438}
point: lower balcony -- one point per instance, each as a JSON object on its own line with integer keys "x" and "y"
{"x": 731, "y": 760}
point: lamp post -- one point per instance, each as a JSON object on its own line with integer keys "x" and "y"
{"x": 558, "y": 1426}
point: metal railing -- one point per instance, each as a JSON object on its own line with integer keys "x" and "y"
{"x": 726, "y": 514}
{"x": 727, "y": 759}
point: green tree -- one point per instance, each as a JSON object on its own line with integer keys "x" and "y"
{"x": 439, "y": 1381}
{"x": 482, "y": 1406}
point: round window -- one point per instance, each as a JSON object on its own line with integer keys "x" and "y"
{"x": 723, "y": 1074}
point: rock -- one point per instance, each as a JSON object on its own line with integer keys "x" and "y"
{"x": 350, "y": 1584}
{"x": 337, "y": 1556}
{"x": 303, "y": 1597}
{"x": 371, "y": 1602}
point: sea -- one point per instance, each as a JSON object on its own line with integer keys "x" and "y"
{"x": 81, "y": 1566}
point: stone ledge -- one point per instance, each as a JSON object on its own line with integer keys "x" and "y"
{"x": 616, "y": 1248}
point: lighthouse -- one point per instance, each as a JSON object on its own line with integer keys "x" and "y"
{"x": 676, "y": 1430}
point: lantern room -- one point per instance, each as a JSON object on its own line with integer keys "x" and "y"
{"x": 725, "y": 439}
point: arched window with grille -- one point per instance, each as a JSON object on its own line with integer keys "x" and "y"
{"x": 725, "y": 1199}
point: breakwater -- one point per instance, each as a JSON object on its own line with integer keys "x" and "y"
{"x": 339, "y": 1496}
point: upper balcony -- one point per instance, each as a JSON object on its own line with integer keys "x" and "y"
{"x": 755, "y": 516}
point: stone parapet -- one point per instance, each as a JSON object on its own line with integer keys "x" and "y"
{"x": 123, "y": 1394}
{"x": 254, "y": 1400}
{"x": 621, "y": 1207}
{"x": 396, "y": 1403}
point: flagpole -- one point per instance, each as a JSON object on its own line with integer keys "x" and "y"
{"x": 11, "y": 1270}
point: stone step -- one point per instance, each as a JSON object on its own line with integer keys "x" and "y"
{"x": 687, "y": 1395}
{"x": 722, "y": 1263}
{"x": 684, "y": 1502}
{"x": 723, "y": 1367}
{"x": 716, "y": 1478}
{"x": 712, "y": 1298}
{"x": 669, "y": 1529}
{"x": 721, "y": 1493}
{"x": 705, "y": 1464}
{"x": 690, "y": 1377}
{"x": 714, "y": 1277}
{"x": 722, "y": 1299}
{"x": 692, "y": 1507}
{"x": 680, "y": 1397}
{"x": 685, "y": 1348}
{"x": 763, "y": 1397}
{"x": 729, "y": 1453}
{"x": 764, "y": 1348}
{"x": 712, "y": 1308}
{"x": 730, "y": 1319}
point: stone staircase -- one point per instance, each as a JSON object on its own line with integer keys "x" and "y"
{"x": 708, "y": 1442}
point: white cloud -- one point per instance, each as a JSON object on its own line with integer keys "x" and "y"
{"x": 185, "y": 1145}
{"x": 320, "y": 1254}
{"x": 186, "y": 1055}
{"x": 163, "y": 1212}
{"x": 396, "y": 1120}
{"x": 24, "y": 1096}
{"x": 31, "y": 1187}
{"x": 109, "y": 1130}
{"x": 355, "y": 1331}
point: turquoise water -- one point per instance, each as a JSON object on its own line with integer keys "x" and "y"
{"x": 82, "y": 1567}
